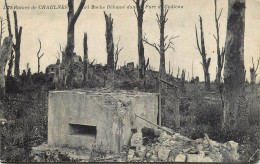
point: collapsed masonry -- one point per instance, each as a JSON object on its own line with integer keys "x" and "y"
{"x": 86, "y": 118}
{"x": 177, "y": 148}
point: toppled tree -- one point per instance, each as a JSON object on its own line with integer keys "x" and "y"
{"x": 85, "y": 59}
{"x": 253, "y": 71}
{"x": 16, "y": 46}
{"x": 163, "y": 46}
{"x": 222, "y": 53}
{"x": 139, "y": 13}
{"x": 39, "y": 56}
{"x": 5, "y": 52}
{"x": 69, "y": 51}
{"x": 118, "y": 50}
{"x": 205, "y": 62}
{"x": 110, "y": 51}
{"x": 235, "y": 112}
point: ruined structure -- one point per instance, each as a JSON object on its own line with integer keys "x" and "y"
{"x": 79, "y": 118}
{"x": 58, "y": 70}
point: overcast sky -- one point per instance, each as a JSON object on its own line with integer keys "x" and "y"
{"x": 51, "y": 25}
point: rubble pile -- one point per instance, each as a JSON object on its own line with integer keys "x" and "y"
{"x": 177, "y": 148}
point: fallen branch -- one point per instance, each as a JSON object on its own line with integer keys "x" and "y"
{"x": 207, "y": 138}
{"x": 155, "y": 125}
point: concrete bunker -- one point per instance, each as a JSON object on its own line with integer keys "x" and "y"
{"x": 79, "y": 118}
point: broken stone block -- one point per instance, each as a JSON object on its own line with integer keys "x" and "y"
{"x": 137, "y": 159}
{"x": 195, "y": 157}
{"x": 167, "y": 129}
{"x": 163, "y": 154}
{"x": 180, "y": 158}
{"x": 232, "y": 145}
{"x": 154, "y": 158}
{"x": 230, "y": 152}
{"x": 157, "y": 132}
{"x": 215, "y": 144}
{"x": 186, "y": 150}
{"x": 169, "y": 143}
{"x": 216, "y": 156}
{"x": 141, "y": 151}
{"x": 137, "y": 140}
{"x": 130, "y": 157}
{"x": 131, "y": 152}
{"x": 163, "y": 137}
{"x": 207, "y": 159}
{"x": 199, "y": 140}
{"x": 148, "y": 155}
{"x": 199, "y": 147}
{"x": 171, "y": 158}
{"x": 178, "y": 137}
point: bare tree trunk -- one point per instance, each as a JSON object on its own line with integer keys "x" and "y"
{"x": 205, "y": 62}
{"x": 235, "y": 112}
{"x": 163, "y": 20}
{"x": 18, "y": 34}
{"x": 222, "y": 53}
{"x": 10, "y": 64}
{"x": 117, "y": 52}
{"x": 139, "y": 15}
{"x": 69, "y": 51}
{"x": 110, "y": 51}
{"x": 85, "y": 60}
{"x": 8, "y": 20}
{"x": 163, "y": 47}
{"x": 5, "y": 52}
{"x": 253, "y": 71}
{"x": 1, "y": 30}
{"x": 39, "y": 56}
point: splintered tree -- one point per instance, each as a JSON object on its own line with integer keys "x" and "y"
{"x": 205, "y": 62}
{"x": 69, "y": 51}
{"x": 235, "y": 111}
{"x": 139, "y": 13}
{"x": 110, "y": 51}
{"x": 5, "y": 52}
{"x": 85, "y": 59}
{"x": 163, "y": 46}
{"x": 39, "y": 56}
{"x": 16, "y": 46}
{"x": 117, "y": 52}
{"x": 11, "y": 58}
{"x": 222, "y": 53}
{"x": 253, "y": 71}
{"x": 1, "y": 29}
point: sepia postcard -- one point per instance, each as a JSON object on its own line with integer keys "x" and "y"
{"x": 129, "y": 81}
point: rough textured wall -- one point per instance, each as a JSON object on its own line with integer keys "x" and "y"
{"x": 113, "y": 114}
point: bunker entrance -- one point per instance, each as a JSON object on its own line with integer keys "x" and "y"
{"x": 86, "y": 130}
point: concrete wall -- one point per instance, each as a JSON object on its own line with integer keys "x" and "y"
{"x": 113, "y": 114}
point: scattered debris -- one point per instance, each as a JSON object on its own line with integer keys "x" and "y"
{"x": 178, "y": 148}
